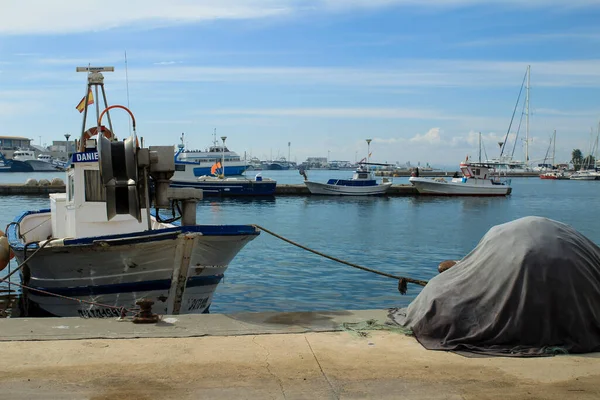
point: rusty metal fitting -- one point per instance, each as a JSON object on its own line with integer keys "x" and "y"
{"x": 145, "y": 315}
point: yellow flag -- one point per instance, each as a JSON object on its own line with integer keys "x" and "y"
{"x": 90, "y": 100}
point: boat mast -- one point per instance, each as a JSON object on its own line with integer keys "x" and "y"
{"x": 368, "y": 152}
{"x": 527, "y": 116}
{"x": 479, "y": 146}
{"x": 223, "y": 156}
{"x": 553, "y": 148}
{"x": 597, "y": 137}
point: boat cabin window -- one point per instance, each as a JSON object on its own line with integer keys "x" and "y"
{"x": 179, "y": 167}
{"x": 94, "y": 192}
{"x": 363, "y": 176}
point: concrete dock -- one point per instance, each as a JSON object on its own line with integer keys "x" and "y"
{"x": 309, "y": 355}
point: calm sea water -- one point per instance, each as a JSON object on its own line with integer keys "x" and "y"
{"x": 404, "y": 236}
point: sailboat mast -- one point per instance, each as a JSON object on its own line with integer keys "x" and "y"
{"x": 527, "y": 116}
{"x": 368, "y": 153}
{"x": 597, "y": 137}
{"x": 479, "y": 146}
{"x": 553, "y": 148}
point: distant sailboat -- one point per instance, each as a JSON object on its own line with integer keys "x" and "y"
{"x": 505, "y": 163}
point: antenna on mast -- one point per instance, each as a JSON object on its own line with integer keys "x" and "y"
{"x": 127, "y": 87}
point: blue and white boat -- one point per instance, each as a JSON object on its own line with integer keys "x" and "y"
{"x": 362, "y": 183}
{"x": 217, "y": 184}
{"x": 191, "y": 164}
{"x": 99, "y": 242}
{"x": 222, "y": 186}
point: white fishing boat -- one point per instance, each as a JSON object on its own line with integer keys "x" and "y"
{"x": 478, "y": 180}
{"x": 218, "y": 184}
{"x": 195, "y": 163}
{"x": 362, "y": 183}
{"x": 57, "y": 164}
{"x": 37, "y": 164}
{"x": 99, "y": 244}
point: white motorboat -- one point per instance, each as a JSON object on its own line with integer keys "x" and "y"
{"x": 478, "y": 180}
{"x": 362, "y": 183}
{"x": 585, "y": 175}
{"x": 99, "y": 245}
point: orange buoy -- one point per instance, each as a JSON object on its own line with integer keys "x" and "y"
{"x": 446, "y": 265}
{"x": 4, "y": 252}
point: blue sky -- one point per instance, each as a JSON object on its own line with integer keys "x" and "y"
{"x": 421, "y": 78}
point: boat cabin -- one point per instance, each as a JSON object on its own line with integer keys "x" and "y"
{"x": 82, "y": 210}
{"x": 475, "y": 171}
{"x": 361, "y": 177}
{"x": 23, "y": 155}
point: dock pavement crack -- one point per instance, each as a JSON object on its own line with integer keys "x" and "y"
{"x": 268, "y": 365}
{"x": 336, "y": 394}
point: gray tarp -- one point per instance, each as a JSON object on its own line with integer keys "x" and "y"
{"x": 529, "y": 285}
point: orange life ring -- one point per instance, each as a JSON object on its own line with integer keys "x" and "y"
{"x": 93, "y": 131}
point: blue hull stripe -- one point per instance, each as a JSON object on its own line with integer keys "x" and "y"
{"x": 250, "y": 188}
{"x": 163, "y": 284}
{"x": 135, "y": 237}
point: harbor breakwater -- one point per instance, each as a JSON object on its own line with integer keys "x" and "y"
{"x": 281, "y": 190}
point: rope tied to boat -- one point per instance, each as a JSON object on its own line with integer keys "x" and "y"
{"x": 122, "y": 310}
{"x": 402, "y": 280}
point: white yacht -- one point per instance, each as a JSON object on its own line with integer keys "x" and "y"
{"x": 478, "y": 179}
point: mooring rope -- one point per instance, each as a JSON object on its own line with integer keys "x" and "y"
{"x": 402, "y": 281}
{"x": 27, "y": 259}
{"x": 122, "y": 310}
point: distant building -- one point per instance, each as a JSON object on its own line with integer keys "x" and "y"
{"x": 315, "y": 162}
{"x": 14, "y": 142}
{"x": 8, "y": 144}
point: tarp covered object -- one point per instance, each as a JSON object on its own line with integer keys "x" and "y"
{"x": 529, "y": 286}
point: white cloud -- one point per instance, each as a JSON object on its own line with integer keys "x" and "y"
{"x": 167, "y": 62}
{"x": 70, "y": 16}
{"x": 431, "y": 137}
{"x": 402, "y": 74}
{"x": 532, "y": 37}
{"x": 381, "y": 113}
{"x": 67, "y": 16}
